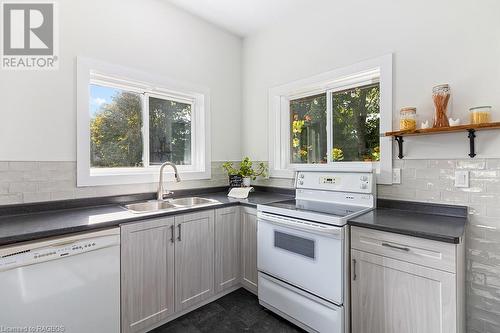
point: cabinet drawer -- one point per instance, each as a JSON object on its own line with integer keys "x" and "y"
{"x": 415, "y": 250}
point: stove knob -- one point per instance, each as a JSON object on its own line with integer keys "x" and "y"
{"x": 301, "y": 182}
{"x": 363, "y": 186}
{"x": 364, "y": 178}
{"x": 301, "y": 176}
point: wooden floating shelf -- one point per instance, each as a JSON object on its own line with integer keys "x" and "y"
{"x": 470, "y": 128}
{"x": 450, "y": 129}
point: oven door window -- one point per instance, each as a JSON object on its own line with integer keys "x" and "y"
{"x": 298, "y": 245}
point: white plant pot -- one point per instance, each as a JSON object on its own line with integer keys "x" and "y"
{"x": 246, "y": 181}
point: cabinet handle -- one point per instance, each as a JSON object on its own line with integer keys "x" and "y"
{"x": 172, "y": 236}
{"x": 396, "y": 247}
{"x": 354, "y": 269}
{"x": 179, "y": 237}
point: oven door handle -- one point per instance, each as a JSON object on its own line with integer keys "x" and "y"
{"x": 325, "y": 230}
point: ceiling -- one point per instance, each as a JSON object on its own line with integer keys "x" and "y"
{"x": 241, "y": 17}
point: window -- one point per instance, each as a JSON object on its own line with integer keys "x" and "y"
{"x": 129, "y": 123}
{"x": 356, "y": 124}
{"x": 115, "y": 128}
{"x": 308, "y": 129}
{"x": 334, "y": 120}
{"x": 169, "y": 131}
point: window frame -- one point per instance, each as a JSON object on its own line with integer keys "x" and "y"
{"x": 356, "y": 75}
{"x": 91, "y": 71}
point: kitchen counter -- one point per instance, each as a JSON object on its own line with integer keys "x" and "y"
{"x": 443, "y": 223}
{"x": 16, "y": 228}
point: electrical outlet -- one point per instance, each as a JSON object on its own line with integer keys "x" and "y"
{"x": 396, "y": 176}
{"x": 461, "y": 178}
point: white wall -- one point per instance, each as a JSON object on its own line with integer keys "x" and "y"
{"x": 38, "y": 109}
{"x": 433, "y": 42}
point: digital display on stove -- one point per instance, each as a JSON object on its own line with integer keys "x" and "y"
{"x": 329, "y": 180}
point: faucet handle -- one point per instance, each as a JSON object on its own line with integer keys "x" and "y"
{"x": 167, "y": 194}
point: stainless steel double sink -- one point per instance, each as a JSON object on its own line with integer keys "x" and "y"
{"x": 166, "y": 205}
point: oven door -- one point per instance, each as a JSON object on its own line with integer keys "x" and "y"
{"x": 305, "y": 254}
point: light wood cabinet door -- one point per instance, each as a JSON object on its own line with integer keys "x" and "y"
{"x": 147, "y": 273}
{"x": 393, "y": 296}
{"x": 227, "y": 248}
{"x": 249, "y": 248}
{"x": 194, "y": 258}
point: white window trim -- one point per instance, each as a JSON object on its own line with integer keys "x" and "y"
{"x": 89, "y": 71}
{"x": 379, "y": 69}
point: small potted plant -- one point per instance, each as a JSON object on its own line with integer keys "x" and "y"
{"x": 249, "y": 173}
{"x": 245, "y": 173}
{"x": 235, "y": 179}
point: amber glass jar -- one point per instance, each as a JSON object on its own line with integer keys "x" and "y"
{"x": 480, "y": 114}
{"x": 408, "y": 119}
{"x": 441, "y": 97}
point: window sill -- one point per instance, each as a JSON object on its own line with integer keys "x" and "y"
{"x": 126, "y": 176}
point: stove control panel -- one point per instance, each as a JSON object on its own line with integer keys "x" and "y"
{"x": 360, "y": 182}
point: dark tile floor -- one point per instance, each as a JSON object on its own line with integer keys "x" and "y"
{"x": 238, "y": 311}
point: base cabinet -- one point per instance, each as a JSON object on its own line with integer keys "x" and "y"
{"x": 171, "y": 265}
{"x": 147, "y": 274}
{"x": 227, "y": 248}
{"x": 392, "y": 295}
{"x": 249, "y": 248}
{"x": 194, "y": 258}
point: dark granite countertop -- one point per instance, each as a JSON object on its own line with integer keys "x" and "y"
{"x": 33, "y": 225}
{"x": 443, "y": 223}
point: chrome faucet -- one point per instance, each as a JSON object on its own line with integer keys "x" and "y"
{"x": 161, "y": 193}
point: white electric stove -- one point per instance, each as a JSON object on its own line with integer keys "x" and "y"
{"x": 303, "y": 246}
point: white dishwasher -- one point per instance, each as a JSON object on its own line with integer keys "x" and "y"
{"x": 67, "y": 284}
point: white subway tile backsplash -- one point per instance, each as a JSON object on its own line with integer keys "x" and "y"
{"x": 56, "y": 186}
{"x": 9, "y": 199}
{"x": 37, "y": 176}
{"x": 442, "y": 164}
{"x": 426, "y": 195}
{"x": 493, "y": 164}
{"x": 62, "y": 195}
{"x": 455, "y": 196}
{"x": 57, "y": 166}
{"x": 408, "y": 173}
{"x": 416, "y": 164}
{"x": 485, "y": 198}
{"x": 23, "y": 166}
{"x": 11, "y": 176}
{"x": 493, "y": 188}
{"x": 483, "y": 174}
{"x": 427, "y": 173}
{"x": 42, "y": 181}
{"x": 20, "y": 187}
{"x": 4, "y": 166}
{"x": 36, "y": 197}
{"x": 471, "y": 164}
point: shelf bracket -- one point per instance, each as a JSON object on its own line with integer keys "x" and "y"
{"x": 400, "y": 141}
{"x": 472, "y": 136}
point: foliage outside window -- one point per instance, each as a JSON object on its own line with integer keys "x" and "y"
{"x": 117, "y": 129}
{"x": 356, "y": 124}
{"x": 169, "y": 131}
{"x": 308, "y": 129}
{"x": 354, "y": 131}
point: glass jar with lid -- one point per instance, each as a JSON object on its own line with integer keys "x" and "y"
{"x": 408, "y": 119}
{"x": 480, "y": 114}
{"x": 441, "y": 96}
